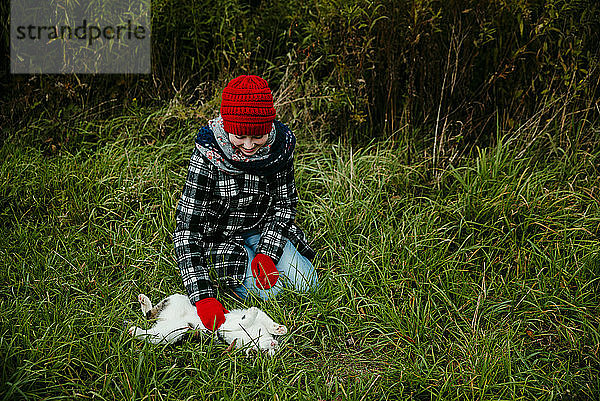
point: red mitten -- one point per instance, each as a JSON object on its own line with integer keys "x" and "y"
{"x": 264, "y": 271}
{"x": 211, "y": 313}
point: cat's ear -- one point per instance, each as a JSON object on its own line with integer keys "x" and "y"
{"x": 250, "y": 316}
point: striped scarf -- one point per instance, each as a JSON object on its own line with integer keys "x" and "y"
{"x": 277, "y": 154}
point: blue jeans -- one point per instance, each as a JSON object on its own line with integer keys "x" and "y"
{"x": 295, "y": 271}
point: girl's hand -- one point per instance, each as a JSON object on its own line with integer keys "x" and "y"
{"x": 211, "y": 313}
{"x": 264, "y": 271}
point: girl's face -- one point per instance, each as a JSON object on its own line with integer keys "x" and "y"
{"x": 248, "y": 144}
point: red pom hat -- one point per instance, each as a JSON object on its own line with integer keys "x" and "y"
{"x": 247, "y": 106}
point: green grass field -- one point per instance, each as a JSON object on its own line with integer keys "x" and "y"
{"x": 480, "y": 284}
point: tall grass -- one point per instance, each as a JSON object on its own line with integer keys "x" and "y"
{"x": 479, "y": 282}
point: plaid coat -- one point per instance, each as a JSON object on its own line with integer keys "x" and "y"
{"x": 216, "y": 208}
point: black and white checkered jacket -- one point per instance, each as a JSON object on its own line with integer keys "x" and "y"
{"x": 216, "y": 208}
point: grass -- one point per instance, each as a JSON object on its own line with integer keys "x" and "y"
{"x": 482, "y": 284}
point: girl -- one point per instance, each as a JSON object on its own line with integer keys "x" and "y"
{"x": 235, "y": 220}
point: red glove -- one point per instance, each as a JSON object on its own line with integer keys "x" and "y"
{"x": 264, "y": 271}
{"x": 211, "y": 313}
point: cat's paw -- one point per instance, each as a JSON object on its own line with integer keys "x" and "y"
{"x": 270, "y": 347}
{"x": 278, "y": 329}
{"x": 267, "y": 344}
{"x": 145, "y": 303}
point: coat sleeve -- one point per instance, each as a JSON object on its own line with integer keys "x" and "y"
{"x": 195, "y": 218}
{"x": 280, "y": 220}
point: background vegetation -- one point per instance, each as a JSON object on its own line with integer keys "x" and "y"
{"x": 448, "y": 169}
{"x": 437, "y": 75}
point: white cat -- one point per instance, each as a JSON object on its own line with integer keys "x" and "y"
{"x": 175, "y": 315}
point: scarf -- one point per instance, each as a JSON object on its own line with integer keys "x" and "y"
{"x": 275, "y": 155}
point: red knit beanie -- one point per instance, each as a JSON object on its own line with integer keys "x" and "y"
{"x": 247, "y": 106}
